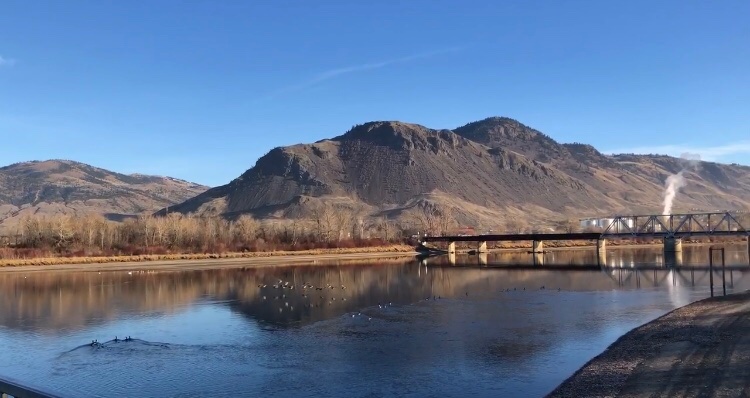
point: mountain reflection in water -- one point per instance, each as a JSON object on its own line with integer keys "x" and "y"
{"x": 393, "y": 327}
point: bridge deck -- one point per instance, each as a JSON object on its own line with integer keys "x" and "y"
{"x": 578, "y": 236}
{"x": 629, "y": 227}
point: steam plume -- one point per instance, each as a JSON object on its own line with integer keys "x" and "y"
{"x": 676, "y": 181}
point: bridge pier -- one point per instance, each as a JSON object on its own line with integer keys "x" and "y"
{"x": 672, "y": 245}
{"x": 452, "y": 258}
{"x": 483, "y": 260}
{"x": 673, "y": 259}
{"x": 601, "y": 251}
{"x": 672, "y": 252}
{"x": 601, "y": 246}
{"x": 601, "y": 258}
{"x": 482, "y": 247}
{"x": 538, "y": 258}
{"x": 537, "y": 246}
{"x": 451, "y": 247}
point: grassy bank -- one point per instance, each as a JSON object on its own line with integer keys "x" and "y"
{"x": 18, "y": 262}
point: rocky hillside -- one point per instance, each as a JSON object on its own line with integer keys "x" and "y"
{"x": 482, "y": 174}
{"x": 66, "y": 187}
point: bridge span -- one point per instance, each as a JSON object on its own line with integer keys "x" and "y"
{"x": 670, "y": 228}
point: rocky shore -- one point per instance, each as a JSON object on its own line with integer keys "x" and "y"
{"x": 700, "y": 350}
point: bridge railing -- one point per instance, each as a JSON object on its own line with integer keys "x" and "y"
{"x": 11, "y": 388}
{"x": 670, "y": 225}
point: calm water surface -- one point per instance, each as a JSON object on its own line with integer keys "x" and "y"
{"x": 469, "y": 326}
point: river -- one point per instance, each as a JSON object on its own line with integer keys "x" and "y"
{"x": 504, "y": 325}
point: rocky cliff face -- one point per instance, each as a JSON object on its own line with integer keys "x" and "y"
{"x": 484, "y": 172}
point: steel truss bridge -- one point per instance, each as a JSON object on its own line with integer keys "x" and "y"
{"x": 676, "y": 226}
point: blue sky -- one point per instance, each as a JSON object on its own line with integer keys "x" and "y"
{"x": 200, "y": 89}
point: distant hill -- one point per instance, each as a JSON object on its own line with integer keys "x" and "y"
{"x": 482, "y": 174}
{"x": 67, "y": 187}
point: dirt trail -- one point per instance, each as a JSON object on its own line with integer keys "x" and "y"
{"x": 700, "y": 350}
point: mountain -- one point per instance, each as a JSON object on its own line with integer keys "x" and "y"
{"x": 67, "y": 187}
{"x": 482, "y": 174}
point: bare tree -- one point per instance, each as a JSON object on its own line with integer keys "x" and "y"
{"x": 515, "y": 226}
{"x": 385, "y": 227}
{"x": 343, "y": 219}
{"x": 571, "y": 226}
{"x": 325, "y": 221}
{"x": 62, "y": 230}
{"x": 425, "y": 217}
{"x": 446, "y": 222}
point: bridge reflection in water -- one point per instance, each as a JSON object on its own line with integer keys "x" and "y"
{"x": 622, "y": 256}
{"x": 633, "y": 268}
{"x": 624, "y": 276}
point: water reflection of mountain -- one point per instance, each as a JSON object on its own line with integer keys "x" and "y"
{"x": 55, "y": 301}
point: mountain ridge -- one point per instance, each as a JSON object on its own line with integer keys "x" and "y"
{"x": 60, "y": 186}
{"x": 482, "y": 173}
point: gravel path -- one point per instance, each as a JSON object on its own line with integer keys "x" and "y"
{"x": 700, "y": 350}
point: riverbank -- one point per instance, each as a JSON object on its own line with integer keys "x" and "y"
{"x": 702, "y": 349}
{"x": 376, "y": 250}
{"x": 159, "y": 258}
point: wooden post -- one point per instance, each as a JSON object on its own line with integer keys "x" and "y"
{"x": 711, "y": 269}
{"x": 723, "y": 272}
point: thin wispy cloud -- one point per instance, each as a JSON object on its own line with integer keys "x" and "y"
{"x": 710, "y": 153}
{"x": 7, "y": 61}
{"x": 337, "y": 72}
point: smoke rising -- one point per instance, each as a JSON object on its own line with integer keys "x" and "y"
{"x": 690, "y": 161}
{"x": 676, "y": 181}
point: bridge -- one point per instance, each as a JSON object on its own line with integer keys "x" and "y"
{"x": 671, "y": 228}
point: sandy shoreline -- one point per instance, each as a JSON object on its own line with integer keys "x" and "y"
{"x": 252, "y": 258}
{"x": 702, "y": 349}
{"x": 210, "y": 262}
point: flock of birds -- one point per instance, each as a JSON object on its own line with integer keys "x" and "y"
{"x": 308, "y": 292}
{"x": 326, "y": 295}
{"x": 108, "y": 344}
{"x": 524, "y": 289}
{"x": 97, "y": 344}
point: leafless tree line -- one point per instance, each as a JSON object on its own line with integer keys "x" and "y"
{"x": 328, "y": 226}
